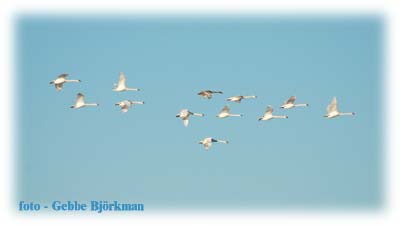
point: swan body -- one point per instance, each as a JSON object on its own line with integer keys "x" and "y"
{"x": 332, "y": 110}
{"x": 208, "y": 93}
{"x": 126, "y": 104}
{"x": 184, "y": 115}
{"x": 60, "y": 80}
{"x": 290, "y": 103}
{"x": 207, "y": 142}
{"x": 268, "y": 115}
{"x": 121, "y": 86}
{"x": 238, "y": 99}
{"x": 226, "y": 112}
{"x": 80, "y": 102}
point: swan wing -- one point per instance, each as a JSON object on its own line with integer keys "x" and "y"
{"x": 122, "y": 79}
{"x": 225, "y": 109}
{"x": 207, "y": 145}
{"x": 124, "y": 108}
{"x": 332, "y": 107}
{"x": 59, "y": 86}
{"x": 186, "y": 121}
{"x": 269, "y": 110}
{"x": 79, "y": 99}
{"x": 291, "y": 100}
{"x": 63, "y": 76}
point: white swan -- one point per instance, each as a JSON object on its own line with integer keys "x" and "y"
{"x": 207, "y": 142}
{"x": 121, "y": 86}
{"x": 126, "y": 104}
{"x": 80, "y": 102}
{"x": 60, "y": 80}
{"x": 268, "y": 115}
{"x": 226, "y": 112}
{"x": 290, "y": 103}
{"x": 208, "y": 93}
{"x": 332, "y": 110}
{"x": 184, "y": 115}
{"x": 238, "y": 99}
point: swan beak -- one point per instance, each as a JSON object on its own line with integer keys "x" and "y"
{"x": 177, "y": 116}
{"x": 72, "y": 107}
{"x": 51, "y": 82}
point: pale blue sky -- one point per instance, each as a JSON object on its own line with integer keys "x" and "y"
{"x": 146, "y": 155}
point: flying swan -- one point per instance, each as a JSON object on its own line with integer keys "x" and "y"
{"x": 60, "y": 80}
{"x": 268, "y": 115}
{"x": 290, "y": 103}
{"x": 126, "y": 104}
{"x": 184, "y": 115}
{"x": 225, "y": 112}
{"x": 207, "y": 142}
{"x": 332, "y": 110}
{"x": 80, "y": 102}
{"x": 121, "y": 86}
{"x": 238, "y": 99}
{"x": 208, "y": 93}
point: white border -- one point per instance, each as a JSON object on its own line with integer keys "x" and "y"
{"x": 388, "y": 214}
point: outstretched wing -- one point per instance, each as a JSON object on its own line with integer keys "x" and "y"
{"x": 225, "y": 109}
{"x": 59, "y": 86}
{"x": 269, "y": 110}
{"x": 291, "y": 100}
{"x": 124, "y": 108}
{"x": 79, "y": 99}
{"x": 332, "y": 107}
{"x": 63, "y": 76}
{"x": 186, "y": 121}
{"x": 122, "y": 79}
{"x": 207, "y": 145}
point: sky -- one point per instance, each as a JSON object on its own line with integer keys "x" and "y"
{"x": 147, "y": 156}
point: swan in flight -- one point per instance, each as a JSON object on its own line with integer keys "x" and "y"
{"x": 290, "y": 103}
{"x": 225, "y": 112}
{"x": 184, "y": 115}
{"x": 60, "y": 80}
{"x": 207, "y": 142}
{"x": 121, "y": 86}
{"x": 80, "y": 102}
{"x": 332, "y": 110}
{"x": 126, "y": 104}
{"x": 268, "y": 115}
{"x": 238, "y": 99}
{"x": 208, "y": 93}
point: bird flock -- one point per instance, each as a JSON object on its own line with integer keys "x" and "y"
{"x": 184, "y": 114}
